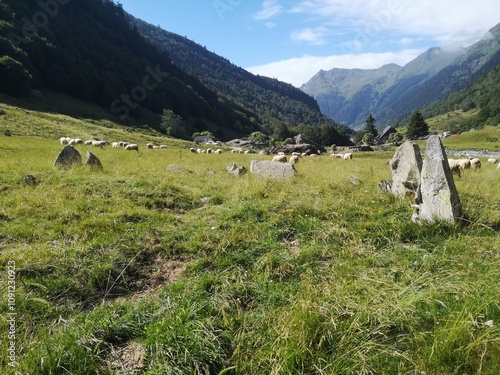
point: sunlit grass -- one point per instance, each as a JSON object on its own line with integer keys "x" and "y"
{"x": 212, "y": 273}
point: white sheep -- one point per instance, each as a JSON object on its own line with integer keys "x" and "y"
{"x": 150, "y": 145}
{"x": 347, "y": 156}
{"x": 115, "y": 145}
{"x": 464, "y": 164}
{"x": 132, "y": 146}
{"x": 218, "y": 151}
{"x": 163, "y": 146}
{"x": 492, "y": 160}
{"x": 454, "y": 166}
{"x": 336, "y": 156}
{"x": 100, "y": 144}
{"x": 193, "y": 150}
{"x": 89, "y": 142}
{"x": 475, "y": 163}
{"x": 294, "y": 159}
{"x": 280, "y": 158}
{"x": 64, "y": 140}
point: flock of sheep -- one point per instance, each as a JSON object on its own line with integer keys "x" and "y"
{"x": 102, "y": 143}
{"x": 457, "y": 166}
{"x": 280, "y": 157}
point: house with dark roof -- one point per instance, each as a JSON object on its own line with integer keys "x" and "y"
{"x": 384, "y": 134}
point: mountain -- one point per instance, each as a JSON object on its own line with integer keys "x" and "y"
{"x": 392, "y": 92}
{"x": 269, "y": 98}
{"x": 88, "y": 50}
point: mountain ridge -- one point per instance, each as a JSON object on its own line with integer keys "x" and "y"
{"x": 433, "y": 74}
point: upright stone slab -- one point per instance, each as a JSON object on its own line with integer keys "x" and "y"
{"x": 67, "y": 158}
{"x": 272, "y": 169}
{"x": 406, "y": 166}
{"x": 93, "y": 162}
{"x": 437, "y": 197}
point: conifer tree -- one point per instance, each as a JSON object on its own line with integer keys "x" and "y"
{"x": 417, "y": 126}
{"x": 370, "y": 126}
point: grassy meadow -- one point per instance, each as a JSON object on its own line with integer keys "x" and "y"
{"x": 141, "y": 269}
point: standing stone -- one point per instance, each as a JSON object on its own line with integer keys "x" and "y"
{"x": 437, "y": 197}
{"x": 93, "y": 162}
{"x": 272, "y": 169}
{"x": 67, "y": 158}
{"x": 406, "y": 166}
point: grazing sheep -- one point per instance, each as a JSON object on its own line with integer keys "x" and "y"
{"x": 149, "y": 145}
{"x": 455, "y": 166}
{"x": 100, "y": 144}
{"x": 347, "y": 156}
{"x": 132, "y": 146}
{"x": 280, "y": 158}
{"x": 296, "y": 154}
{"x": 313, "y": 155}
{"x": 193, "y": 150}
{"x": 156, "y": 147}
{"x": 115, "y": 144}
{"x": 209, "y": 150}
{"x": 492, "y": 160}
{"x": 498, "y": 166}
{"x": 218, "y": 151}
{"x": 88, "y": 143}
{"x": 475, "y": 163}
{"x": 336, "y": 156}
{"x": 294, "y": 159}
{"x": 163, "y": 146}
{"x": 464, "y": 164}
{"x": 281, "y": 153}
{"x": 64, "y": 140}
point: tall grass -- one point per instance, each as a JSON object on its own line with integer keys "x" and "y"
{"x": 210, "y": 273}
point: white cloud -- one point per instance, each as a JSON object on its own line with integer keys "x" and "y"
{"x": 270, "y": 9}
{"x": 314, "y": 36}
{"x": 446, "y": 21}
{"x": 298, "y": 71}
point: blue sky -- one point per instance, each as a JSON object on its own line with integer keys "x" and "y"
{"x": 292, "y": 40}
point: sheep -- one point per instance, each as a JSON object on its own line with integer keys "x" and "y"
{"x": 455, "y": 166}
{"x": 347, "y": 156}
{"x": 132, "y": 146}
{"x": 89, "y": 142}
{"x": 296, "y": 154}
{"x": 218, "y": 151}
{"x": 149, "y": 145}
{"x": 464, "y": 164}
{"x": 100, "y": 144}
{"x": 156, "y": 147}
{"x": 193, "y": 150}
{"x": 313, "y": 155}
{"x": 475, "y": 163}
{"x": 498, "y": 166}
{"x": 336, "y": 156}
{"x": 163, "y": 146}
{"x": 280, "y": 158}
{"x": 64, "y": 140}
{"x": 75, "y": 141}
{"x": 492, "y": 160}
{"x": 294, "y": 159}
{"x": 281, "y": 153}
{"x": 115, "y": 144}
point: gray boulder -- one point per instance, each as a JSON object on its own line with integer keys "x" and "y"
{"x": 406, "y": 166}
{"x": 272, "y": 169}
{"x": 67, "y": 158}
{"x": 437, "y": 197}
{"x": 93, "y": 162}
{"x": 235, "y": 170}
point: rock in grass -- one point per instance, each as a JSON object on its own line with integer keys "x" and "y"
{"x": 437, "y": 197}
{"x": 272, "y": 169}
{"x": 29, "y": 179}
{"x": 406, "y": 166}
{"x": 93, "y": 162}
{"x": 67, "y": 158}
{"x": 237, "y": 171}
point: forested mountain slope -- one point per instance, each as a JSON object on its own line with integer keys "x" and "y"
{"x": 270, "y": 98}
{"x": 86, "y": 49}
